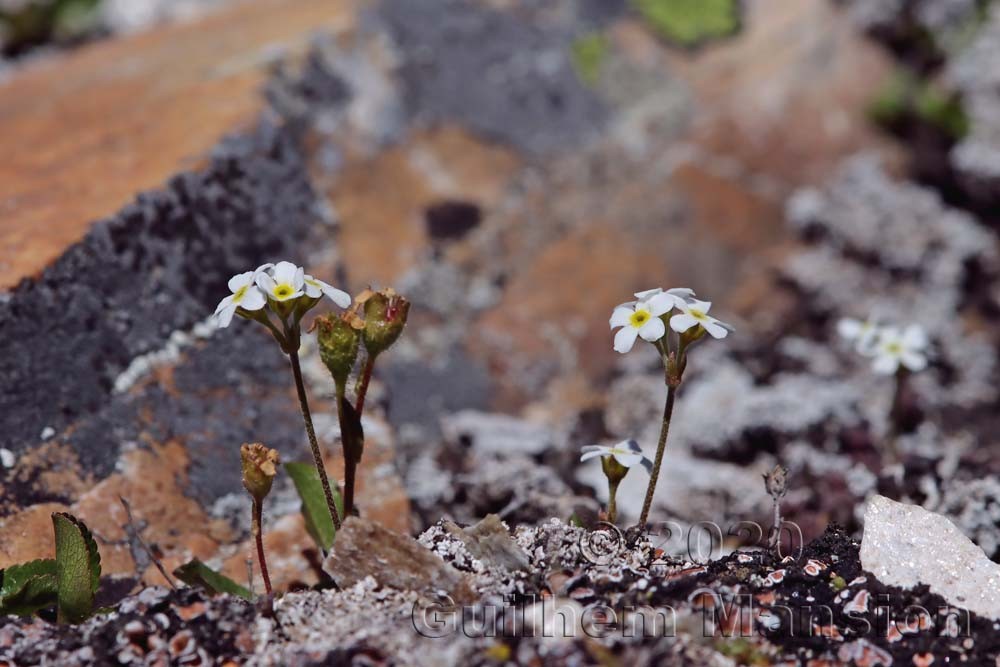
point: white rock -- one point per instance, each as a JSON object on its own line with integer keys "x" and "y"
{"x": 905, "y": 545}
{"x": 7, "y": 458}
{"x": 497, "y": 433}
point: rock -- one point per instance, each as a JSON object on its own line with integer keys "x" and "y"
{"x": 498, "y": 434}
{"x": 905, "y": 546}
{"x": 489, "y": 540}
{"x": 365, "y": 549}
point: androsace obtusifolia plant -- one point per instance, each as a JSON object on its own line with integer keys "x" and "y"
{"x": 652, "y": 317}
{"x": 896, "y": 351}
{"x": 278, "y": 296}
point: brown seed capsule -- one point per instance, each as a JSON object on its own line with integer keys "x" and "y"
{"x": 776, "y": 481}
{"x": 260, "y": 465}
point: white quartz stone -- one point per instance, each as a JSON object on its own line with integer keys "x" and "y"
{"x": 905, "y": 545}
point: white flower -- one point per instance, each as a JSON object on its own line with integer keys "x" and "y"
{"x": 694, "y": 313}
{"x": 316, "y": 288}
{"x": 864, "y": 334}
{"x": 627, "y": 452}
{"x": 895, "y": 347}
{"x": 681, "y": 293}
{"x": 283, "y": 282}
{"x": 642, "y": 318}
{"x": 245, "y": 295}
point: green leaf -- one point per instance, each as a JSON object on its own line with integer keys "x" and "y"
{"x": 196, "y": 573}
{"x": 351, "y": 432}
{"x": 690, "y": 23}
{"x": 28, "y": 587}
{"x": 314, "y": 509}
{"x": 78, "y": 568}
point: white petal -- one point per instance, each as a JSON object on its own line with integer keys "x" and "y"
{"x": 620, "y": 316}
{"x": 653, "y": 330}
{"x": 703, "y": 306}
{"x": 592, "y": 455}
{"x": 681, "y": 292}
{"x": 913, "y": 360}
{"x": 265, "y": 283}
{"x": 630, "y": 445}
{"x": 264, "y": 268}
{"x": 312, "y": 287}
{"x": 300, "y": 278}
{"x": 240, "y": 280}
{"x": 715, "y": 329}
{"x": 885, "y": 364}
{"x": 254, "y": 299}
{"x": 682, "y": 322}
{"x": 225, "y": 316}
{"x": 225, "y": 303}
{"x": 285, "y": 272}
{"x": 625, "y": 339}
{"x": 338, "y": 296}
{"x": 914, "y": 337}
{"x": 628, "y": 459}
{"x": 645, "y": 294}
{"x": 662, "y": 304}
{"x": 849, "y": 328}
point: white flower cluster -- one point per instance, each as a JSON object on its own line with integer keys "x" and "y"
{"x": 644, "y": 318}
{"x": 281, "y": 283}
{"x": 889, "y": 347}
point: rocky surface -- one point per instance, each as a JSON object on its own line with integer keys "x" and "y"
{"x": 515, "y": 195}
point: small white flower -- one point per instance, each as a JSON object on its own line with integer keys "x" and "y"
{"x": 864, "y": 334}
{"x": 694, "y": 313}
{"x": 283, "y": 282}
{"x": 642, "y": 318}
{"x": 245, "y": 295}
{"x": 627, "y": 452}
{"x": 897, "y": 347}
{"x": 316, "y": 288}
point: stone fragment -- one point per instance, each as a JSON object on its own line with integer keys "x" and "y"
{"x": 497, "y": 433}
{"x": 905, "y": 545}
{"x": 365, "y": 549}
{"x": 490, "y": 541}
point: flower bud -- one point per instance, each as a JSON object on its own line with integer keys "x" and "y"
{"x": 776, "y": 481}
{"x": 614, "y": 471}
{"x": 260, "y": 465}
{"x": 385, "y": 317}
{"x": 338, "y": 338}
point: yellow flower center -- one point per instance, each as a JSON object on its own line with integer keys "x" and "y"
{"x": 639, "y": 317}
{"x": 283, "y": 291}
{"x": 240, "y": 293}
{"x": 894, "y": 348}
{"x": 697, "y": 314}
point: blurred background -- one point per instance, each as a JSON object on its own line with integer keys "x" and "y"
{"x": 516, "y": 169}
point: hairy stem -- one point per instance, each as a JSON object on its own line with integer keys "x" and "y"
{"x": 775, "y": 537}
{"x": 661, "y": 446}
{"x": 311, "y": 432}
{"x": 362, "y": 388}
{"x": 258, "y": 534}
{"x": 891, "y": 455}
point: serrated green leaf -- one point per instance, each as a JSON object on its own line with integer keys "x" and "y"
{"x": 28, "y": 587}
{"x": 78, "y": 568}
{"x": 317, "y": 515}
{"x": 196, "y": 573}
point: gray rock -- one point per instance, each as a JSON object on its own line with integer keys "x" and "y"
{"x": 365, "y": 549}
{"x": 490, "y": 541}
{"x": 905, "y": 545}
{"x": 496, "y": 433}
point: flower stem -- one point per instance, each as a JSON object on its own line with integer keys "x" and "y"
{"x": 362, "y": 388}
{"x": 311, "y": 432}
{"x": 668, "y": 410}
{"x": 892, "y": 454}
{"x": 259, "y": 537}
{"x": 775, "y": 536}
{"x": 612, "y": 504}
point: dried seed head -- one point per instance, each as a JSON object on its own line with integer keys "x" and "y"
{"x": 260, "y": 465}
{"x": 776, "y": 481}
